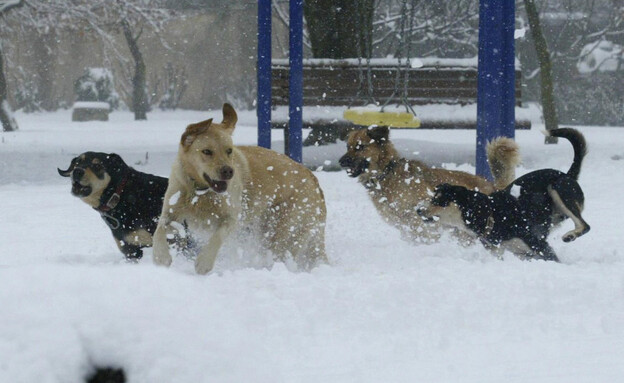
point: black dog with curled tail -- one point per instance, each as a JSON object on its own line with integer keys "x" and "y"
{"x": 521, "y": 216}
{"x": 128, "y": 201}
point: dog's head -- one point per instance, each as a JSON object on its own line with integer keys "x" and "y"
{"x": 366, "y": 148}
{"x": 442, "y": 207}
{"x": 91, "y": 173}
{"x": 207, "y": 151}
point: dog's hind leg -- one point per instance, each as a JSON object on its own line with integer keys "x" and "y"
{"x": 296, "y": 233}
{"x": 540, "y": 248}
{"x": 568, "y": 199}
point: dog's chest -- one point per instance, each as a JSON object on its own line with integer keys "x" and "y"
{"x": 398, "y": 196}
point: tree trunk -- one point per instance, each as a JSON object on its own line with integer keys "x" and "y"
{"x": 331, "y": 25}
{"x": 139, "y": 95}
{"x": 546, "y": 80}
{"x": 6, "y": 116}
{"x": 44, "y": 48}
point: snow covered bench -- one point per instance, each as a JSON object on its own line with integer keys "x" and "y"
{"x": 90, "y": 111}
{"x": 442, "y": 92}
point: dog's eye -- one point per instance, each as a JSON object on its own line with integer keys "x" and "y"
{"x": 229, "y": 151}
{"x": 207, "y": 152}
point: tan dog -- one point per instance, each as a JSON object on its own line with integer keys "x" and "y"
{"x": 215, "y": 187}
{"x": 398, "y": 186}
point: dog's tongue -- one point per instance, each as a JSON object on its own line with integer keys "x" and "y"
{"x": 217, "y": 186}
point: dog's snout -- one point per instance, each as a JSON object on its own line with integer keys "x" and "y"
{"x": 77, "y": 174}
{"x": 345, "y": 161}
{"x": 226, "y": 173}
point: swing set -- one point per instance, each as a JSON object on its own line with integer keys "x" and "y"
{"x": 387, "y": 89}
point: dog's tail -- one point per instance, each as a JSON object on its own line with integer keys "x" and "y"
{"x": 577, "y": 140}
{"x": 503, "y": 156}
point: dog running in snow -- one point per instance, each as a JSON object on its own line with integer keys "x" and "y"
{"x": 215, "y": 187}
{"x": 520, "y": 217}
{"x": 128, "y": 201}
{"x": 397, "y": 186}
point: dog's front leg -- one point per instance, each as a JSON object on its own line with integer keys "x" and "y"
{"x": 161, "y": 246}
{"x": 208, "y": 254}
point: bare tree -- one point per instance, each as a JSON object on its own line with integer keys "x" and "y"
{"x": 132, "y": 17}
{"x": 6, "y": 115}
{"x": 101, "y": 18}
{"x": 432, "y": 28}
{"x": 546, "y": 80}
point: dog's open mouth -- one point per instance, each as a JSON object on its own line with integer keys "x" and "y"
{"x": 80, "y": 190}
{"x": 217, "y": 186}
{"x": 357, "y": 169}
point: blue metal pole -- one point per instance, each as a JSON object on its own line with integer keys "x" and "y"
{"x": 263, "y": 107}
{"x": 496, "y": 79}
{"x": 295, "y": 121}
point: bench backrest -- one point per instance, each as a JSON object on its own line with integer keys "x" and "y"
{"x": 344, "y": 82}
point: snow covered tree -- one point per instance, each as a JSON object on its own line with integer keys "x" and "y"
{"x": 573, "y": 33}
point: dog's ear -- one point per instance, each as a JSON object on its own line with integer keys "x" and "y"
{"x": 229, "y": 117}
{"x": 114, "y": 158}
{"x": 194, "y": 130}
{"x": 344, "y": 133}
{"x": 72, "y": 165}
{"x": 114, "y": 164}
{"x": 379, "y": 134}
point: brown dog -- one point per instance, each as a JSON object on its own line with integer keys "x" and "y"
{"x": 398, "y": 186}
{"x": 215, "y": 187}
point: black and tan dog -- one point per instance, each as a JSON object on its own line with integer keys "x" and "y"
{"x": 524, "y": 212}
{"x": 398, "y": 186}
{"x": 129, "y": 201}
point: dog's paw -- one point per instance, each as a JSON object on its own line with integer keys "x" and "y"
{"x": 569, "y": 237}
{"x": 203, "y": 265}
{"x": 162, "y": 256}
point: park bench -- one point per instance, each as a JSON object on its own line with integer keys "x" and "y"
{"x": 443, "y": 93}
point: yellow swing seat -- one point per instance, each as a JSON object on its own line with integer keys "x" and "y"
{"x": 367, "y": 117}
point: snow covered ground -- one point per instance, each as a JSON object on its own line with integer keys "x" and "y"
{"x": 382, "y": 311}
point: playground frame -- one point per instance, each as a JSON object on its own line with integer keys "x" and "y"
{"x": 495, "y": 90}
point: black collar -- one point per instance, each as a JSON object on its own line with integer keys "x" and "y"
{"x": 108, "y": 204}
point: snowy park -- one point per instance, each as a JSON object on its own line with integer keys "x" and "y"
{"x": 381, "y": 310}
{"x": 187, "y": 89}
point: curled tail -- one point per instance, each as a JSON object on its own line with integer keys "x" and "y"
{"x": 503, "y": 156}
{"x": 577, "y": 140}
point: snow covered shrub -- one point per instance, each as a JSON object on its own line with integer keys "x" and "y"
{"x": 96, "y": 84}
{"x": 597, "y": 99}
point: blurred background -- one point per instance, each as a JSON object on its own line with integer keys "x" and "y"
{"x": 196, "y": 54}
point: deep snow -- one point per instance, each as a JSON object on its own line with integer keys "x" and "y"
{"x": 383, "y": 310}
